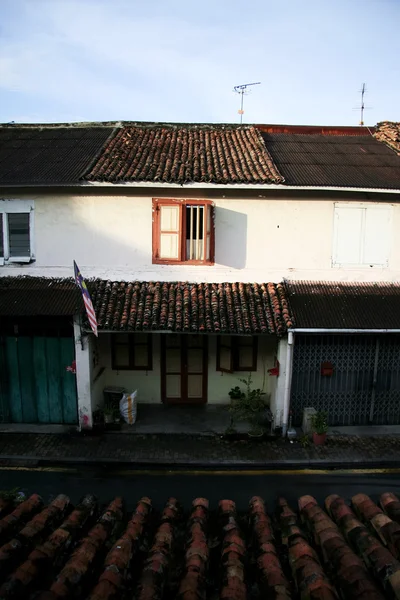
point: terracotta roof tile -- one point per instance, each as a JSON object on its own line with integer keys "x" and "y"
{"x": 236, "y": 308}
{"x": 209, "y": 551}
{"x": 378, "y": 559}
{"x": 185, "y": 154}
{"x": 389, "y": 133}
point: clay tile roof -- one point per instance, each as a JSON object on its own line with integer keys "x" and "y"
{"x": 185, "y": 154}
{"x": 48, "y": 154}
{"x": 331, "y": 550}
{"x": 38, "y": 296}
{"x": 235, "y": 308}
{"x": 389, "y": 133}
{"x": 337, "y": 305}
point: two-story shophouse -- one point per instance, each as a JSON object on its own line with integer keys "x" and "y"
{"x": 197, "y": 242}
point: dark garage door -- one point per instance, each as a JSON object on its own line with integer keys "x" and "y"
{"x": 365, "y": 383}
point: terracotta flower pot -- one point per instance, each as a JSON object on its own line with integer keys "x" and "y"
{"x": 319, "y": 439}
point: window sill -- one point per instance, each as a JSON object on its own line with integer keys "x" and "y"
{"x": 359, "y": 266}
{"x": 192, "y": 263}
{"x": 132, "y": 368}
{"x": 16, "y": 260}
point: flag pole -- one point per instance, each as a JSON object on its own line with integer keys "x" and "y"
{"x": 89, "y": 308}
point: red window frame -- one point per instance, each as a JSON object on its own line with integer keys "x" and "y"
{"x": 181, "y": 260}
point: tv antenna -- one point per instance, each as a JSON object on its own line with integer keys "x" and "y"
{"x": 362, "y": 106}
{"x": 242, "y": 90}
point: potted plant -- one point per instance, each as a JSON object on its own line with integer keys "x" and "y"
{"x": 319, "y": 423}
{"x": 249, "y": 405}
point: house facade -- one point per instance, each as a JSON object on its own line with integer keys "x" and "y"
{"x": 185, "y": 235}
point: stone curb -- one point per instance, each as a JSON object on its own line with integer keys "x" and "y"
{"x": 357, "y": 463}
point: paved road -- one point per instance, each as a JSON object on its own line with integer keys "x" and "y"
{"x": 239, "y": 486}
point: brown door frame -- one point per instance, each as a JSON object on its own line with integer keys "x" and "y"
{"x": 184, "y": 374}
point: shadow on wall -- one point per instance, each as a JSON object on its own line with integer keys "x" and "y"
{"x": 230, "y": 238}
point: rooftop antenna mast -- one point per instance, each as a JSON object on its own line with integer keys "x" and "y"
{"x": 242, "y": 90}
{"x": 362, "y": 107}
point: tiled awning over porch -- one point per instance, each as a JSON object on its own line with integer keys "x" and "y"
{"x": 233, "y": 308}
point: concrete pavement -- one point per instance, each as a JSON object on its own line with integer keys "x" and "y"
{"x": 340, "y": 451}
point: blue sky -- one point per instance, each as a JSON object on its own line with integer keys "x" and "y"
{"x": 178, "y": 60}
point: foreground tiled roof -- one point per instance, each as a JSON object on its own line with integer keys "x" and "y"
{"x": 38, "y": 296}
{"x": 333, "y": 160}
{"x": 184, "y": 154}
{"x": 43, "y": 155}
{"x": 309, "y": 551}
{"x": 344, "y": 305}
{"x": 196, "y": 307}
{"x": 389, "y": 133}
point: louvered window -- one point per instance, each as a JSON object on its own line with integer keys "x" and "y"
{"x": 15, "y": 231}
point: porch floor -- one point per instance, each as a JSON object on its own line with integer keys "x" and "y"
{"x": 207, "y": 419}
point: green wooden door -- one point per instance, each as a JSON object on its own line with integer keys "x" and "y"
{"x": 35, "y": 386}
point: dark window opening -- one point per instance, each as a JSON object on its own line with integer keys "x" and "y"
{"x": 19, "y": 235}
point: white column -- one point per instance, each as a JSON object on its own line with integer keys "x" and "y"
{"x": 83, "y": 358}
{"x": 278, "y": 395}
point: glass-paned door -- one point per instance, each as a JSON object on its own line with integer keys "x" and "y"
{"x": 184, "y": 369}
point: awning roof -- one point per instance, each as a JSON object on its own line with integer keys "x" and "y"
{"x": 38, "y": 296}
{"x": 337, "y": 305}
{"x": 235, "y": 308}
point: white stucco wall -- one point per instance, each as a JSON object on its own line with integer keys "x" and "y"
{"x": 263, "y": 239}
{"x": 148, "y": 383}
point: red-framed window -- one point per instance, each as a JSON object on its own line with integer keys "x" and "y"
{"x": 237, "y": 353}
{"x": 183, "y": 231}
{"x": 131, "y": 352}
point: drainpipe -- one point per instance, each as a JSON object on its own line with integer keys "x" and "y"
{"x": 288, "y": 381}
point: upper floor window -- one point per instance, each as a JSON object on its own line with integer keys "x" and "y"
{"x": 16, "y": 229}
{"x": 183, "y": 231}
{"x": 362, "y": 235}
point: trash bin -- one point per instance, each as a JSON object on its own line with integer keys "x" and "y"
{"x": 112, "y": 395}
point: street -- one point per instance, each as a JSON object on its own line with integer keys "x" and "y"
{"x": 239, "y": 486}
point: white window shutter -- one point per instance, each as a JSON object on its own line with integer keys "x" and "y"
{"x": 377, "y": 235}
{"x": 170, "y": 231}
{"x": 1, "y": 239}
{"x": 348, "y": 235}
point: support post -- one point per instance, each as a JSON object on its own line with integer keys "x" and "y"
{"x": 277, "y": 398}
{"x": 83, "y": 358}
{"x": 288, "y": 382}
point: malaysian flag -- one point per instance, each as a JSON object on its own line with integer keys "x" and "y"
{"x": 86, "y": 298}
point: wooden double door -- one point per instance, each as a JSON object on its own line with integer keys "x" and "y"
{"x": 35, "y": 386}
{"x": 184, "y": 369}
